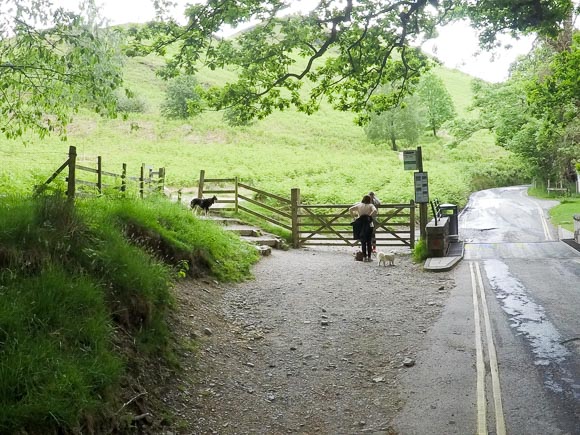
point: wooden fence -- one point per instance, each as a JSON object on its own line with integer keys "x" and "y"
{"x": 310, "y": 224}
{"x": 146, "y": 182}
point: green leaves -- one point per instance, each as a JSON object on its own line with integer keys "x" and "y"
{"x": 500, "y": 16}
{"x": 339, "y": 53}
{"x": 536, "y": 113}
{"x": 182, "y": 98}
{"x": 48, "y": 74}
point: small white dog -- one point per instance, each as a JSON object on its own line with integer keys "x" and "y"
{"x": 385, "y": 258}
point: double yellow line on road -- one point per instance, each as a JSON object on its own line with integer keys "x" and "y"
{"x": 480, "y": 306}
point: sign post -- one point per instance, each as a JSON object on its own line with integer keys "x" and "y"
{"x": 413, "y": 161}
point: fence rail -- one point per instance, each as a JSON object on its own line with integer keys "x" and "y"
{"x": 309, "y": 224}
{"x": 154, "y": 182}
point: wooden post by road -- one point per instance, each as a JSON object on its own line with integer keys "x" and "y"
{"x": 422, "y": 206}
{"x": 412, "y": 220}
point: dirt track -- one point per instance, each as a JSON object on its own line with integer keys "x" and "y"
{"x": 313, "y": 345}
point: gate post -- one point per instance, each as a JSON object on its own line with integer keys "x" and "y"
{"x": 161, "y": 180}
{"x": 72, "y": 163}
{"x": 200, "y": 185}
{"x": 412, "y": 223}
{"x": 236, "y": 187}
{"x": 295, "y": 205}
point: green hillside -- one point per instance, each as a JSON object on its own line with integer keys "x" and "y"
{"x": 324, "y": 154}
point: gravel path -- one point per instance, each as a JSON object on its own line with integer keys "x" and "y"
{"x": 314, "y": 344}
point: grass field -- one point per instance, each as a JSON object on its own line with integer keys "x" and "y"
{"x": 326, "y": 155}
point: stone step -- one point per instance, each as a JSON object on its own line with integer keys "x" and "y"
{"x": 225, "y": 220}
{"x": 266, "y": 240}
{"x": 244, "y": 230}
{"x": 264, "y": 250}
{"x": 251, "y": 234}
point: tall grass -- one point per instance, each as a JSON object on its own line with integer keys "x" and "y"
{"x": 57, "y": 365}
{"x": 71, "y": 278}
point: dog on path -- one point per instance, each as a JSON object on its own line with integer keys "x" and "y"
{"x": 202, "y": 203}
{"x": 384, "y": 258}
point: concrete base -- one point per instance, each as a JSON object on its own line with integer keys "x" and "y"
{"x": 442, "y": 264}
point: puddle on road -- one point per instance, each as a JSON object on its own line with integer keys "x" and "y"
{"x": 529, "y": 319}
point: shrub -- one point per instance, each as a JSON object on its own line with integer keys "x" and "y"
{"x": 182, "y": 98}
{"x": 131, "y": 103}
{"x": 420, "y": 252}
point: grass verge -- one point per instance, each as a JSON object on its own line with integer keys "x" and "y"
{"x": 74, "y": 279}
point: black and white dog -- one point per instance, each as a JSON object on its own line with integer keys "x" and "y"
{"x": 203, "y": 203}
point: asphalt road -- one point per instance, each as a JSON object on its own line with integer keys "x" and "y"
{"x": 505, "y": 356}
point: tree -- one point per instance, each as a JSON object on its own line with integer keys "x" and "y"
{"x": 555, "y": 99}
{"x": 401, "y": 122}
{"x": 344, "y": 50}
{"x": 52, "y": 62}
{"x": 437, "y": 102}
{"x": 182, "y": 98}
{"x": 536, "y": 113}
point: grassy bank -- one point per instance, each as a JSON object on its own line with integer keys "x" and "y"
{"x": 562, "y": 214}
{"x": 76, "y": 283}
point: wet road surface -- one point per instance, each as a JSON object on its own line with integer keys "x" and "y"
{"x": 505, "y": 356}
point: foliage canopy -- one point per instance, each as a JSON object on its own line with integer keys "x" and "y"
{"x": 536, "y": 113}
{"x": 52, "y": 62}
{"x": 341, "y": 51}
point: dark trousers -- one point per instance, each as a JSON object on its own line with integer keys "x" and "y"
{"x": 367, "y": 246}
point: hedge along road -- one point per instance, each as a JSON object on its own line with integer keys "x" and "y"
{"x": 505, "y": 355}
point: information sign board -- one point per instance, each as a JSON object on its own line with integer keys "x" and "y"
{"x": 410, "y": 160}
{"x": 421, "y": 188}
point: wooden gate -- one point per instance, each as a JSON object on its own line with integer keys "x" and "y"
{"x": 322, "y": 224}
{"x": 330, "y": 225}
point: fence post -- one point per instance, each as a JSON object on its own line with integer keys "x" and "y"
{"x": 179, "y": 196}
{"x": 412, "y": 228}
{"x": 200, "y": 185}
{"x": 124, "y": 178}
{"x": 295, "y": 205}
{"x": 142, "y": 180}
{"x": 72, "y": 162}
{"x": 99, "y": 174}
{"x": 161, "y": 183}
{"x": 236, "y": 187}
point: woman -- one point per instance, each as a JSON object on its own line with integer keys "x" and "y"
{"x": 364, "y": 212}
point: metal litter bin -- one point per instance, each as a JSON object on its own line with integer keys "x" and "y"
{"x": 450, "y": 210}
